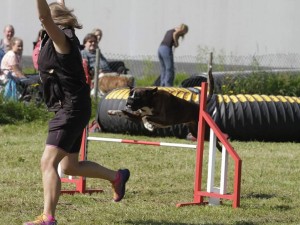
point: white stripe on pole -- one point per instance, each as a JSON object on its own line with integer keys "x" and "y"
{"x": 211, "y": 169}
{"x": 211, "y": 161}
{"x": 141, "y": 142}
{"x": 224, "y": 171}
{"x": 104, "y": 139}
{"x": 177, "y": 145}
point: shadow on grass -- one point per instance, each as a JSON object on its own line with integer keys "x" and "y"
{"x": 280, "y": 207}
{"x": 259, "y": 195}
{"x": 147, "y": 222}
{"x": 245, "y": 223}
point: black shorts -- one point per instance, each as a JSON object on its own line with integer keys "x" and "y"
{"x": 66, "y": 128}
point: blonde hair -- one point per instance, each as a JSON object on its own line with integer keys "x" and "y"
{"x": 183, "y": 29}
{"x": 13, "y": 41}
{"x": 99, "y": 36}
{"x": 63, "y": 16}
{"x": 95, "y": 30}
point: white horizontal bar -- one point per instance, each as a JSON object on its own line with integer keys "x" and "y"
{"x": 142, "y": 142}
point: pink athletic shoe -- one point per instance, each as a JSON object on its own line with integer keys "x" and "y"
{"x": 42, "y": 220}
{"x": 119, "y": 183}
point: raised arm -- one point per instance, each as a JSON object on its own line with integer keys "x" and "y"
{"x": 176, "y": 36}
{"x": 55, "y": 33}
{"x": 62, "y": 2}
{"x": 179, "y": 32}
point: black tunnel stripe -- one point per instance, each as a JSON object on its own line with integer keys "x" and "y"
{"x": 280, "y": 109}
{"x": 256, "y": 111}
{"x": 273, "y": 111}
{"x": 223, "y": 111}
{"x": 248, "y": 109}
{"x": 231, "y": 114}
{"x": 265, "y": 110}
{"x": 239, "y": 110}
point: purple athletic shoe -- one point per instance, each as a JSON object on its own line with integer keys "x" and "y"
{"x": 119, "y": 183}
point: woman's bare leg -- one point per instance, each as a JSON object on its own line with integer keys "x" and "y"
{"x": 70, "y": 165}
{"x": 51, "y": 180}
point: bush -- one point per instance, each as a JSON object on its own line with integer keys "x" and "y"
{"x": 149, "y": 80}
{"x": 262, "y": 83}
{"x": 12, "y": 112}
{"x": 145, "y": 81}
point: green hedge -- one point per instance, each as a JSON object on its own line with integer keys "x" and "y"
{"x": 263, "y": 83}
{"x": 12, "y": 112}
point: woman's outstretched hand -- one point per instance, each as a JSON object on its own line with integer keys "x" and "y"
{"x": 62, "y": 2}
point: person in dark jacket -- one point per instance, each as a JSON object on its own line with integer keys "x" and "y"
{"x": 165, "y": 54}
{"x": 68, "y": 95}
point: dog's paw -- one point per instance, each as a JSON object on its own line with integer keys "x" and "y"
{"x": 115, "y": 112}
{"x": 137, "y": 113}
{"x": 149, "y": 126}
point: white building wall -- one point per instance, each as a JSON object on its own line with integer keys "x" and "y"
{"x": 136, "y": 27}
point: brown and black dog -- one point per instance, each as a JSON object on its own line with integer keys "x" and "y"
{"x": 159, "y": 109}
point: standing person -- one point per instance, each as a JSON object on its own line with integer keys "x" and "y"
{"x": 165, "y": 54}
{"x": 68, "y": 95}
{"x": 9, "y": 32}
{"x": 36, "y": 49}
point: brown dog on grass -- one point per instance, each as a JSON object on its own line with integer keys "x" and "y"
{"x": 110, "y": 81}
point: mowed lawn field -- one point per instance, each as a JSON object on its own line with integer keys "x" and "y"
{"x": 160, "y": 178}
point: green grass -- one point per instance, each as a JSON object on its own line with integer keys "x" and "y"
{"x": 161, "y": 178}
{"x": 150, "y": 79}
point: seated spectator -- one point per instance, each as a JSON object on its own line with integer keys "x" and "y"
{"x": 89, "y": 54}
{"x": 9, "y": 33}
{"x": 36, "y": 49}
{"x": 3, "y": 79}
{"x": 98, "y": 33}
{"x": 11, "y": 65}
{"x": 2, "y": 53}
{"x": 12, "y": 60}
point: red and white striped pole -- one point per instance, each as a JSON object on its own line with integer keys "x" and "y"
{"x": 214, "y": 194}
{"x": 127, "y": 141}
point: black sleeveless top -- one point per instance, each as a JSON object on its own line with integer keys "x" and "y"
{"x": 63, "y": 76}
{"x": 168, "y": 38}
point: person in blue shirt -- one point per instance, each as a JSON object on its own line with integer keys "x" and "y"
{"x": 90, "y": 43}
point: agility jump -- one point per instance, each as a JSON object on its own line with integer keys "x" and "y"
{"x": 214, "y": 194}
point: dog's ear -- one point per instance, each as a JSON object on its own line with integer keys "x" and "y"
{"x": 130, "y": 91}
{"x": 154, "y": 90}
{"x": 151, "y": 92}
